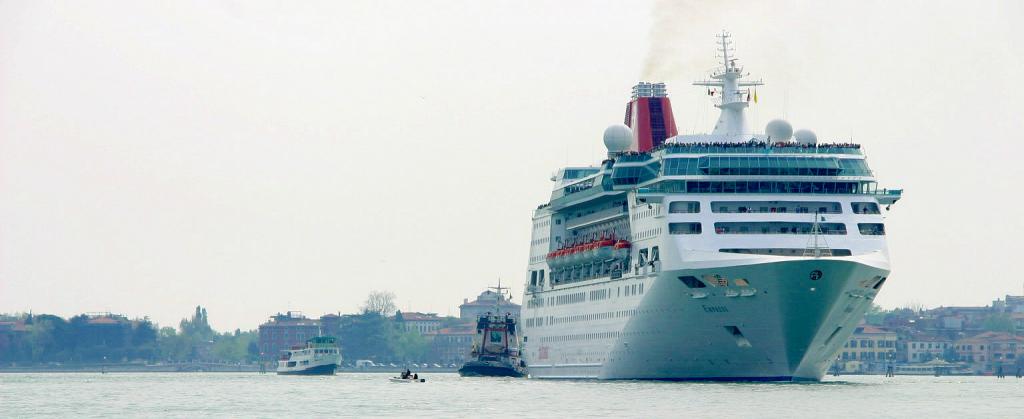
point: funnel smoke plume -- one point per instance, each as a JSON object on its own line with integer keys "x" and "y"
{"x": 681, "y": 33}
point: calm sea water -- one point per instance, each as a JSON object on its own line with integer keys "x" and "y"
{"x": 448, "y": 395}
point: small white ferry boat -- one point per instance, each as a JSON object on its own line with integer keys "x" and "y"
{"x": 320, "y": 356}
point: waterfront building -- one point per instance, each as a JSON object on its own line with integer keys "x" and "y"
{"x": 484, "y": 303}
{"x": 1012, "y": 304}
{"x": 926, "y": 348}
{"x": 103, "y": 330}
{"x": 451, "y": 345}
{"x": 283, "y": 331}
{"x": 968, "y": 319}
{"x": 330, "y": 324}
{"x": 11, "y": 333}
{"x": 869, "y": 349}
{"x": 421, "y": 323}
{"x": 988, "y": 351}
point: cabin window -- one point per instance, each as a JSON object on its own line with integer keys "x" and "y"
{"x": 865, "y": 208}
{"x": 642, "y": 259}
{"x": 684, "y": 228}
{"x": 684, "y": 207}
{"x": 533, "y": 277}
{"x": 871, "y": 229}
{"x": 655, "y": 254}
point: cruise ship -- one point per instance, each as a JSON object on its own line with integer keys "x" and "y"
{"x": 733, "y": 255}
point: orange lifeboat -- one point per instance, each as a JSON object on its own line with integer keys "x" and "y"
{"x": 622, "y": 248}
{"x": 605, "y": 248}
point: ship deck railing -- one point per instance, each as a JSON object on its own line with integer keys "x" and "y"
{"x": 740, "y": 148}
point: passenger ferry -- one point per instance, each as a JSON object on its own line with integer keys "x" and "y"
{"x": 320, "y": 356}
{"x": 726, "y": 256}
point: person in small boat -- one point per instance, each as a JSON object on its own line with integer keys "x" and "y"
{"x": 415, "y": 376}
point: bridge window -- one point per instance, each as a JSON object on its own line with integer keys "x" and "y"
{"x": 684, "y": 207}
{"x": 769, "y": 166}
{"x": 777, "y": 227}
{"x": 865, "y": 208}
{"x": 681, "y": 167}
{"x": 871, "y": 229}
{"x": 854, "y": 167}
{"x": 684, "y": 228}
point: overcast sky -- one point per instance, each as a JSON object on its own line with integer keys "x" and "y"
{"x": 255, "y": 157}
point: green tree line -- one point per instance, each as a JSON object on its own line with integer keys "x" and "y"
{"x": 48, "y": 338}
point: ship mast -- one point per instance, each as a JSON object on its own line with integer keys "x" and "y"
{"x": 815, "y": 250}
{"x": 501, "y": 293}
{"x": 732, "y": 123}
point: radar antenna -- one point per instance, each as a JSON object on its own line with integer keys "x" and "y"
{"x": 501, "y": 295}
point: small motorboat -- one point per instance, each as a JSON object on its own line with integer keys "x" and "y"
{"x": 407, "y": 380}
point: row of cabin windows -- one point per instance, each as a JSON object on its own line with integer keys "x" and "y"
{"x": 578, "y": 297}
{"x": 556, "y": 320}
{"x": 602, "y": 294}
{"x": 553, "y": 320}
{"x": 693, "y": 207}
{"x": 776, "y": 187}
{"x": 759, "y": 187}
{"x": 776, "y": 227}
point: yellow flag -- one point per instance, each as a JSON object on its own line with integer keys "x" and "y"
{"x": 755, "y": 96}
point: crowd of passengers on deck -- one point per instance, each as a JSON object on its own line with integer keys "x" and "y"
{"x": 748, "y": 144}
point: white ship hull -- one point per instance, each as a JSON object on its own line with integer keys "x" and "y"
{"x": 789, "y": 326}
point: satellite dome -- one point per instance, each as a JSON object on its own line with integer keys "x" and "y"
{"x": 805, "y": 136}
{"x": 779, "y": 130}
{"x": 618, "y": 138}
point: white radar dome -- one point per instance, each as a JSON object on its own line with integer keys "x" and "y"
{"x": 805, "y": 137}
{"x": 618, "y": 138}
{"x": 778, "y": 130}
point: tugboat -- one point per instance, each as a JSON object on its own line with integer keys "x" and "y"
{"x": 320, "y": 356}
{"x": 496, "y": 353}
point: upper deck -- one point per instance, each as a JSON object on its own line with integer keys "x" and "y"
{"x": 751, "y": 167}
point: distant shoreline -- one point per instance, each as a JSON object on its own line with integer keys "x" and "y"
{"x": 187, "y": 368}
